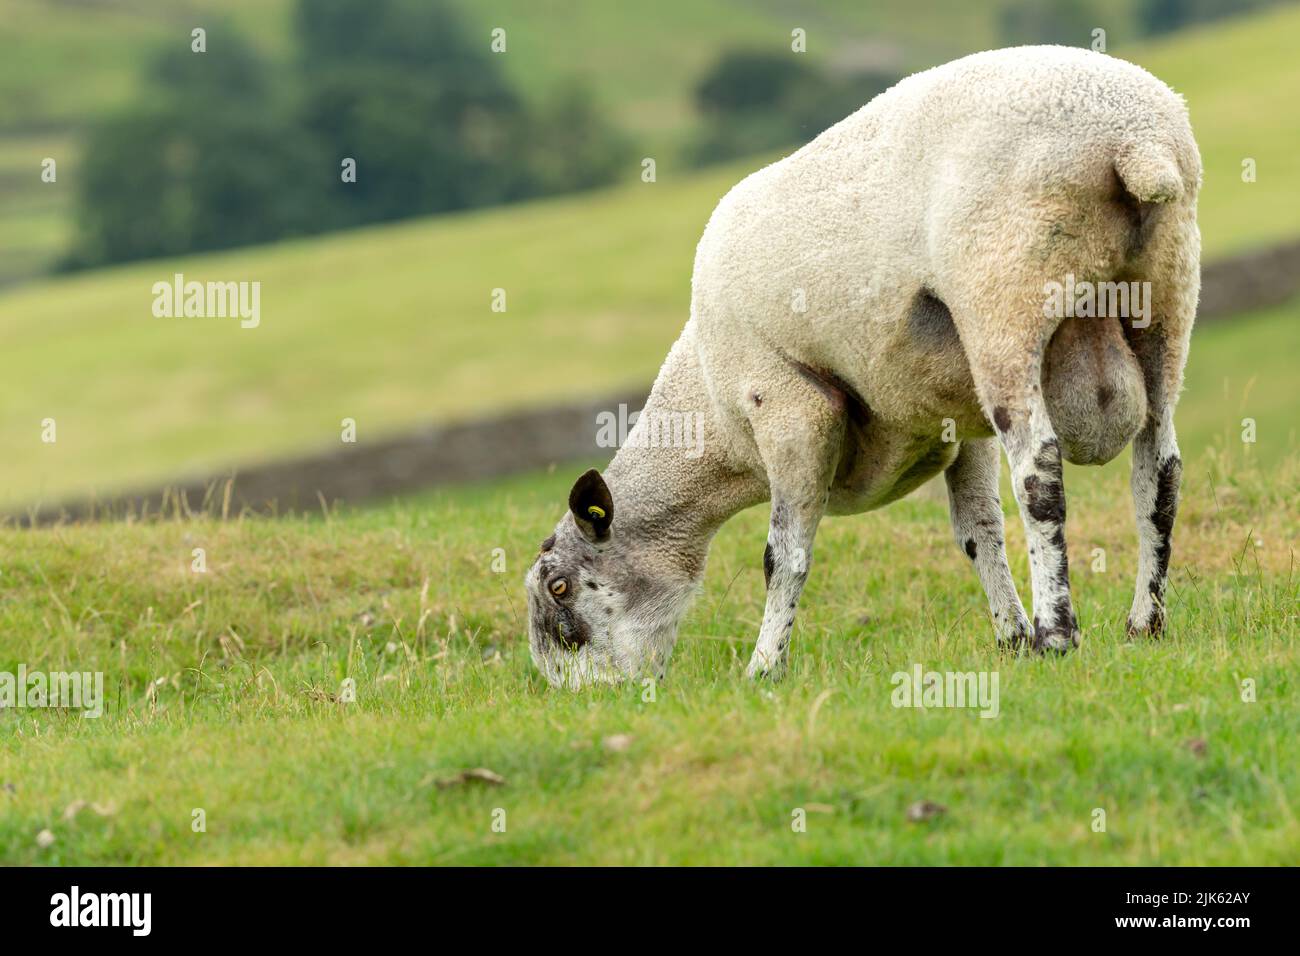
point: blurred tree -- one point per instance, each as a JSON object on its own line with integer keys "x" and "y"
{"x": 1068, "y": 22}
{"x": 754, "y": 102}
{"x": 172, "y": 180}
{"x": 1165, "y": 16}
{"x": 420, "y": 147}
{"x": 572, "y": 146}
{"x": 424, "y": 36}
{"x": 230, "y": 70}
{"x": 430, "y": 118}
{"x": 228, "y": 150}
{"x": 743, "y": 80}
{"x": 205, "y": 163}
{"x": 427, "y": 114}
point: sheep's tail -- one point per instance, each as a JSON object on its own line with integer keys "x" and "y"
{"x": 1149, "y": 173}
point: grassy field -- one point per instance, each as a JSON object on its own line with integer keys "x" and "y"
{"x": 393, "y": 326}
{"x": 222, "y": 686}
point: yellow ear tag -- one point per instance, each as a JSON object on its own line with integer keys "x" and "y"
{"x": 596, "y": 511}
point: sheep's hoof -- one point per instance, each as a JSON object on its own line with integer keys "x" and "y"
{"x": 760, "y": 668}
{"x": 1154, "y": 627}
{"x": 1017, "y": 637}
{"x": 1055, "y": 639}
{"x": 1056, "y": 642}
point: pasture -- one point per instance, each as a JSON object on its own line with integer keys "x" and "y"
{"x": 224, "y": 687}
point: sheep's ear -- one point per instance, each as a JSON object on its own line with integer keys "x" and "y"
{"x": 592, "y": 506}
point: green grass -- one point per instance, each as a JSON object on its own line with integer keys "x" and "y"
{"x": 219, "y": 685}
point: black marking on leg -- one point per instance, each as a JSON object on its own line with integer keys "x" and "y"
{"x": 1063, "y": 622}
{"x": 1163, "y": 512}
{"x": 1062, "y": 577}
{"x": 1062, "y": 574}
{"x": 1162, "y": 519}
{"x": 1044, "y": 490}
{"x": 1048, "y": 458}
{"x": 1045, "y": 500}
{"x": 1063, "y": 617}
{"x": 1001, "y": 418}
{"x": 970, "y": 548}
{"x": 768, "y": 565}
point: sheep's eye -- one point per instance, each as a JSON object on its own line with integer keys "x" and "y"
{"x": 559, "y": 586}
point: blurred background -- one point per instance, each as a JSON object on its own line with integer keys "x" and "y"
{"x": 531, "y": 178}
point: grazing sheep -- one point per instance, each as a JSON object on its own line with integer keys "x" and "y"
{"x": 885, "y": 304}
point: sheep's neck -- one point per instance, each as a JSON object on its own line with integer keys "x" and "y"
{"x": 671, "y": 486}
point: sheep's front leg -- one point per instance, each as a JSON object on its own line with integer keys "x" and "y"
{"x": 1157, "y": 474}
{"x": 976, "y": 509}
{"x": 790, "y": 534}
{"x": 1020, "y": 416}
{"x": 798, "y": 427}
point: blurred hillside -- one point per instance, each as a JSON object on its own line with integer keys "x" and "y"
{"x": 393, "y": 325}
{"x": 67, "y": 64}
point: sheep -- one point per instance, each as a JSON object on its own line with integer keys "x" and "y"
{"x": 883, "y": 305}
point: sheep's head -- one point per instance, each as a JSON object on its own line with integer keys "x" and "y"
{"x": 596, "y": 612}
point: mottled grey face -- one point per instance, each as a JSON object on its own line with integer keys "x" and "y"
{"x": 571, "y": 611}
{"x": 592, "y": 617}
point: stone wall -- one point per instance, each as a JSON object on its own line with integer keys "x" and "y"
{"x": 527, "y": 440}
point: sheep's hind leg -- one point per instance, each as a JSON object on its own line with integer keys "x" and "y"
{"x": 976, "y": 510}
{"x": 1037, "y": 478}
{"x": 1157, "y": 474}
{"x": 1007, "y": 369}
{"x": 798, "y": 433}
